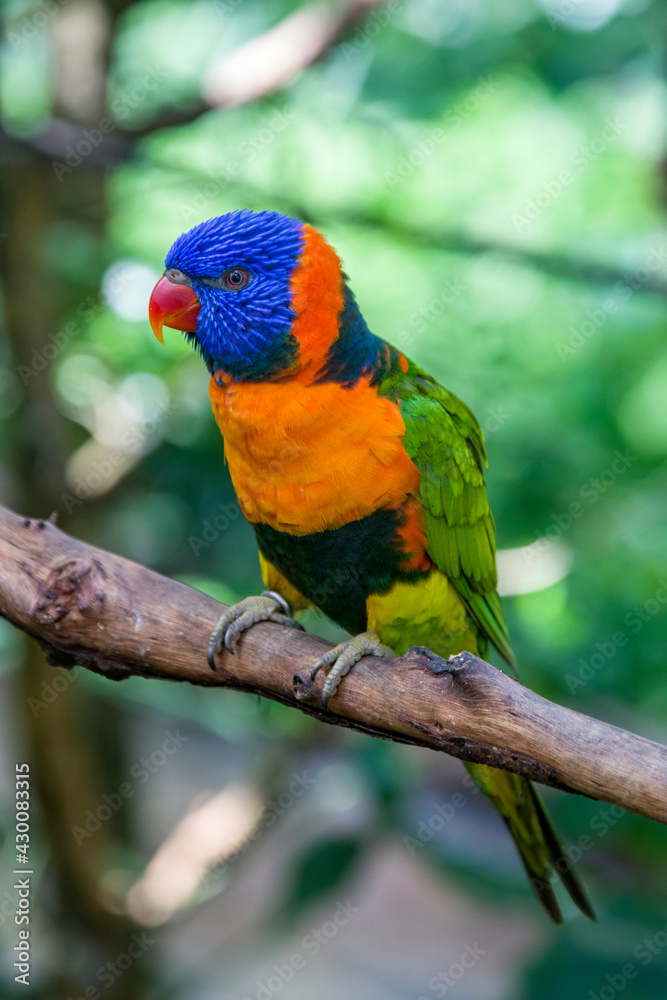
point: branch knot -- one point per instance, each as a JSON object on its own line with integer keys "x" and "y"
{"x": 74, "y": 586}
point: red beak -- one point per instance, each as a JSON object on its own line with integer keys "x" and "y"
{"x": 173, "y": 305}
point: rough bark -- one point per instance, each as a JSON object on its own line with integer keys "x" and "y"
{"x": 120, "y": 619}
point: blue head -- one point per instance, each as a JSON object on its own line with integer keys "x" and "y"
{"x": 239, "y": 267}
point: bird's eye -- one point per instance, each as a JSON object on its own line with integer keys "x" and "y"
{"x": 236, "y": 277}
{"x": 233, "y": 279}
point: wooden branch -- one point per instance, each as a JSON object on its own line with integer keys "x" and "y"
{"x": 119, "y": 619}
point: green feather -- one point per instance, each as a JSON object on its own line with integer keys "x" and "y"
{"x": 446, "y": 444}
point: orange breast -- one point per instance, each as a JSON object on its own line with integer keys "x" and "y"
{"x": 306, "y": 458}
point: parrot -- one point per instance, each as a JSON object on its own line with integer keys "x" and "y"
{"x": 362, "y": 476}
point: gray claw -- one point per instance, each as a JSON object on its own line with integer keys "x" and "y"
{"x": 233, "y": 630}
{"x": 323, "y": 662}
{"x": 235, "y": 620}
{"x": 212, "y": 650}
{"x": 315, "y": 671}
{"x": 343, "y": 657}
{"x": 230, "y": 634}
{"x": 287, "y": 622}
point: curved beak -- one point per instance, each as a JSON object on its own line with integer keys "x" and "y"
{"x": 173, "y": 305}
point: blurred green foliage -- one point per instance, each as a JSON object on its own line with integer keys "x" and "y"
{"x": 489, "y": 174}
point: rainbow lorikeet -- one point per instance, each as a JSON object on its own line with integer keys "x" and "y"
{"x": 352, "y": 464}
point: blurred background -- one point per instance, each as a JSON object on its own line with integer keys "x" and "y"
{"x": 493, "y": 177}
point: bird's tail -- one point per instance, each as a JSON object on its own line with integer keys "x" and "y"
{"x": 540, "y": 850}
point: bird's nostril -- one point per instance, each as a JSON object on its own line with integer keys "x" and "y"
{"x": 178, "y": 277}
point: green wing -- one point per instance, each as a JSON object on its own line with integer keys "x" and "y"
{"x": 446, "y": 444}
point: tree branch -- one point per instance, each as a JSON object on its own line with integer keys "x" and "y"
{"x": 256, "y": 69}
{"x": 268, "y": 61}
{"x": 119, "y": 619}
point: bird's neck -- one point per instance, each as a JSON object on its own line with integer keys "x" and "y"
{"x": 354, "y": 352}
{"x": 334, "y": 343}
{"x": 328, "y": 340}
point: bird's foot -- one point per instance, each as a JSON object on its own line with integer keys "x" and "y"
{"x": 343, "y": 657}
{"x": 268, "y": 607}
